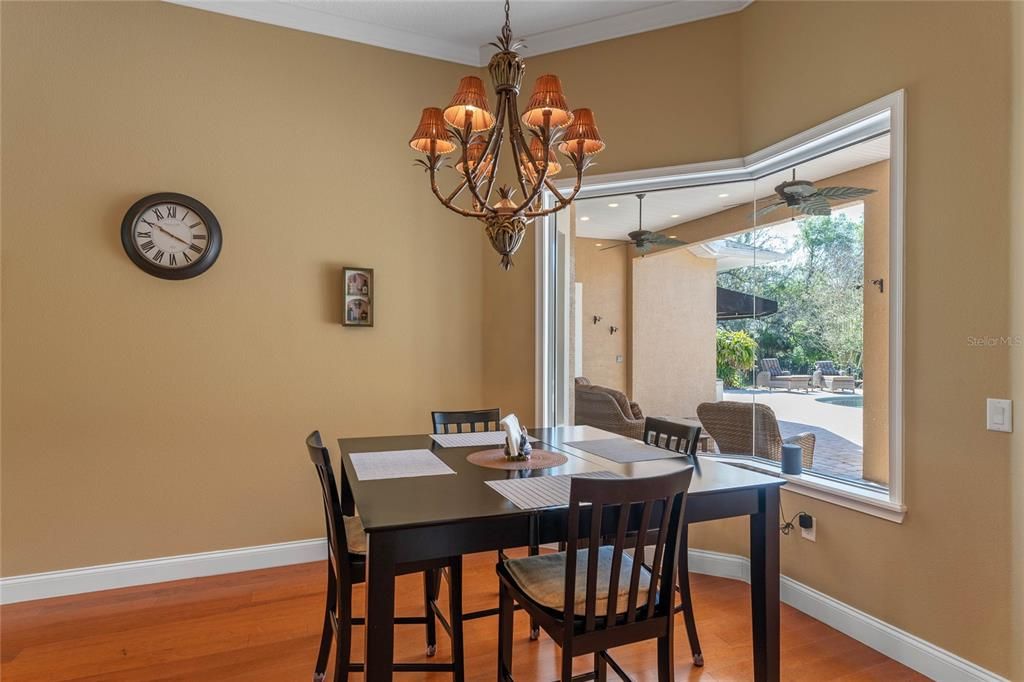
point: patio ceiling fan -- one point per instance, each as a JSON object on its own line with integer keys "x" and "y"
{"x": 803, "y": 196}
{"x": 644, "y": 239}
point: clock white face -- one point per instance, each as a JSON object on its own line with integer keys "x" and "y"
{"x": 170, "y": 235}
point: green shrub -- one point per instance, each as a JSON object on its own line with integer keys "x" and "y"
{"x": 737, "y": 352}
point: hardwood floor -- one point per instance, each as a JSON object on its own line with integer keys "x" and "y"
{"x": 264, "y": 626}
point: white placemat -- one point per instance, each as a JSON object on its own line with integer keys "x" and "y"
{"x": 539, "y": 492}
{"x": 372, "y": 466}
{"x": 463, "y": 440}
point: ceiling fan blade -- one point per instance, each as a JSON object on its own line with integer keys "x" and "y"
{"x": 764, "y": 210}
{"x": 815, "y": 205}
{"x": 663, "y": 240}
{"x": 608, "y": 248}
{"x": 844, "y": 192}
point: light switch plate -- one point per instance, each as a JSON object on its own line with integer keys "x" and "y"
{"x": 999, "y": 415}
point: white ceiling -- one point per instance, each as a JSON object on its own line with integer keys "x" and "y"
{"x": 459, "y": 31}
{"x": 690, "y": 203}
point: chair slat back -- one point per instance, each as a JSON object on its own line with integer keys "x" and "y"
{"x": 628, "y": 510}
{"x": 337, "y": 541}
{"x": 487, "y": 420}
{"x": 681, "y": 437}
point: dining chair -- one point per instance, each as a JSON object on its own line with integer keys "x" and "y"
{"x": 487, "y": 419}
{"x": 682, "y": 438}
{"x": 592, "y": 599}
{"x": 346, "y": 566}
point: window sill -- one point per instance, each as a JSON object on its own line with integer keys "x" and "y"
{"x": 857, "y": 498}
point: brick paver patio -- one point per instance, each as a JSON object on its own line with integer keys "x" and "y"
{"x": 838, "y": 429}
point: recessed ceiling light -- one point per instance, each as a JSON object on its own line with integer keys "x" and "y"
{"x": 585, "y": 218}
{"x": 674, "y": 215}
{"x": 613, "y": 205}
{"x": 723, "y": 195}
{"x": 597, "y": 244}
{"x": 672, "y": 236}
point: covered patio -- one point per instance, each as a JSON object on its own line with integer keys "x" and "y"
{"x": 838, "y": 425}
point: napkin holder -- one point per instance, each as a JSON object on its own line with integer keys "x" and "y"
{"x": 524, "y": 449}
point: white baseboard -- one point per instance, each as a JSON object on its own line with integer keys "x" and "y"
{"x": 913, "y": 652}
{"x": 112, "y": 576}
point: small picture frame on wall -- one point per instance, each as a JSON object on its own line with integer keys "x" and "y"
{"x": 359, "y": 304}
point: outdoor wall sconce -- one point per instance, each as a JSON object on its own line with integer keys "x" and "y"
{"x": 597, "y": 318}
{"x": 612, "y": 330}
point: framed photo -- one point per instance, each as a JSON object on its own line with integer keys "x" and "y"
{"x": 358, "y": 283}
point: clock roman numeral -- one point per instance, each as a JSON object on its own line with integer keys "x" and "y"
{"x": 184, "y": 254}
{"x": 147, "y": 246}
{"x": 199, "y": 236}
{"x": 195, "y": 225}
{"x": 184, "y": 216}
{"x": 196, "y": 248}
{"x": 172, "y": 211}
{"x": 157, "y": 213}
{"x": 172, "y": 260}
{"x": 158, "y": 256}
{"x": 144, "y": 235}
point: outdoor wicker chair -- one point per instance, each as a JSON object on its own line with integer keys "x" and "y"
{"x": 608, "y": 409}
{"x": 745, "y": 428}
{"x": 826, "y": 376}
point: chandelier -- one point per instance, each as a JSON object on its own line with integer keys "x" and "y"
{"x": 469, "y": 125}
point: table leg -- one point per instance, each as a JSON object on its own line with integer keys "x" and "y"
{"x": 380, "y": 609}
{"x": 764, "y": 585}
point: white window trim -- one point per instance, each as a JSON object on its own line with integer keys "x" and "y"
{"x": 886, "y": 113}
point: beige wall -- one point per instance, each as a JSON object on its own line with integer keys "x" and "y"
{"x": 944, "y": 574}
{"x": 1016, "y": 302}
{"x": 147, "y": 418}
{"x": 674, "y": 324}
{"x": 604, "y": 275}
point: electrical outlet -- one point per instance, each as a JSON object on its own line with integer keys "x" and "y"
{"x": 618, "y": 358}
{"x": 808, "y": 530}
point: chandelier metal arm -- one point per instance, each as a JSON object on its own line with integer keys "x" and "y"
{"x": 540, "y": 170}
{"x": 494, "y": 141}
{"x": 432, "y": 164}
{"x": 464, "y": 136}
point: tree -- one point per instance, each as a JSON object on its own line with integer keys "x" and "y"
{"x": 818, "y": 288}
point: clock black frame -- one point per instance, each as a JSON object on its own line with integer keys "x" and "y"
{"x": 193, "y": 269}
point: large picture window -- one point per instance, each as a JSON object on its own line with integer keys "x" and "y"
{"x": 763, "y": 300}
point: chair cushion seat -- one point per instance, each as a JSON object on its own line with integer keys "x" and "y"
{"x": 542, "y": 579}
{"x": 355, "y": 535}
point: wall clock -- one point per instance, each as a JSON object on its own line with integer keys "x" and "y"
{"x": 171, "y": 236}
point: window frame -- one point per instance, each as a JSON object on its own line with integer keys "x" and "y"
{"x": 886, "y": 114}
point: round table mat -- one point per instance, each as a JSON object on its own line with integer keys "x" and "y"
{"x": 495, "y": 459}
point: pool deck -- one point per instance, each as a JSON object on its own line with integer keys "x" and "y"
{"x": 838, "y": 429}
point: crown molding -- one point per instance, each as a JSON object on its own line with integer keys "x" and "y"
{"x": 303, "y": 18}
{"x": 630, "y": 23}
{"x": 312, "y": 20}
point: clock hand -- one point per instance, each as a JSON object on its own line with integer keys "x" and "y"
{"x": 173, "y": 236}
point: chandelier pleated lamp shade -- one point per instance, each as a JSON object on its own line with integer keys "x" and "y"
{"x": 474, "y": 153}
{"x": 537, "y": 152}
{"x": 471, "y": 98}
{"x": 547, "y": 96}
{"x": 582, "y": 128}
{"x": 432, "y": 128}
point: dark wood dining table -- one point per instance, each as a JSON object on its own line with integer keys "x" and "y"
{"x": 413, "y": 519}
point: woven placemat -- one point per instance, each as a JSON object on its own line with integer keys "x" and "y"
{"x": 495, "y": 459}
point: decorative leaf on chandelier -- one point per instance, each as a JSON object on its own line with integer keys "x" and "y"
{"x": 468, "y": 127}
